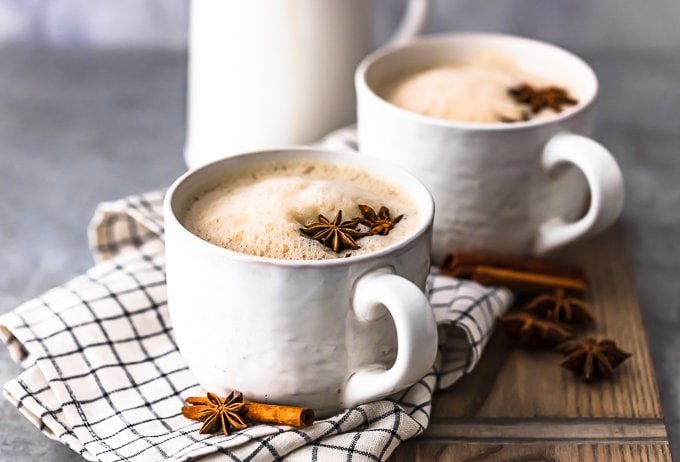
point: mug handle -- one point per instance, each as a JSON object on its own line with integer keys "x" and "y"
{"x": 412, "y": 23}
{"x": 416, "y": 335}
{"x": 342, "y": 139}
{"x": 604, "y": 179}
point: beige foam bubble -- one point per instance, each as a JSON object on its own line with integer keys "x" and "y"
{"x": 260, "y": 211}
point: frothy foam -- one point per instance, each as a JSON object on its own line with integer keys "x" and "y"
{"x": 259, "y": 211}
{"x": 472, "y": 91}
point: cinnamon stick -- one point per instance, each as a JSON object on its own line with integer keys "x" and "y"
{"x": 284, "y": 415}
{"x": 202, "y": 407}
{"x": 462, "y": 265}
{"x": 524, "y": 281}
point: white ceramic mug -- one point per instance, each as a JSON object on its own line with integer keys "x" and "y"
{"x": 518, "y": 188}
{"x": 316, "y": 333}
{"x": 265, "y": 73}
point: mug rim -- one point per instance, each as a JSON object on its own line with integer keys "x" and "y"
{"x": 427, "y": 40}
{"x": 293, "y": 152}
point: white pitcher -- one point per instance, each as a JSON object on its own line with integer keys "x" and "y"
{"x": 275, "y": 72}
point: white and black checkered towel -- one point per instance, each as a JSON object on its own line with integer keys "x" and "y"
{"x": 102, "y": 373}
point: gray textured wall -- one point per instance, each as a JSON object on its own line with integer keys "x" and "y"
{"x": 583, "y": 24}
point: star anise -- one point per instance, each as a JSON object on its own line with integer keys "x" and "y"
{"x": 558, "y": 306}
{"x": 217, "y": 413}
{"x": 591, "y": 358}
{"x": 540, "y": 98}
{"x": 337, "y": 234}
{"x": 378, "y": 223}
{"x": 534, "y": 332}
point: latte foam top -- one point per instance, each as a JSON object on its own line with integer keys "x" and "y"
{"x": 472, "y": 91}
{"x": 259, "y": 211}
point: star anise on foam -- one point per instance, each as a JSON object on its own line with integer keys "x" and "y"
{"x": 591, "y": 358}
{"x": 540, "y": 98}
{"x": 217, "y": 413}
{"x": 337, "y": 234}
{"x": 558, "y": 306}
{"x": 378, "y": 223}
{"x": 534, "y": 332}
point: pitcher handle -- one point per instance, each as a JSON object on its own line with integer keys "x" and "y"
{"x": 412, "y": 23}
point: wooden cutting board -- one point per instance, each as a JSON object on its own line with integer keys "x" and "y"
{"x": 520, "y": 405}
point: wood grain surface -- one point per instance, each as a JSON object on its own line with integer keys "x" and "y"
{"x": 520, "y": 405}
{"x": 485, "y": 452}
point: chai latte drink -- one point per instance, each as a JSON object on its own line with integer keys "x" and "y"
{"x": 482, "y": 89}
{"x": 262, "y": 210}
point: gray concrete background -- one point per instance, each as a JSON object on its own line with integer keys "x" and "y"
{"x": 78, "y": 127}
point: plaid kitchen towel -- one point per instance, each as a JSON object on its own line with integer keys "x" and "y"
{"x": 102, "y": 373}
